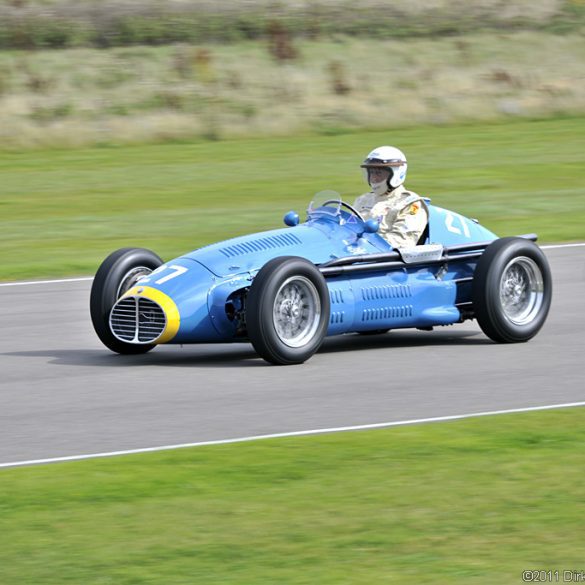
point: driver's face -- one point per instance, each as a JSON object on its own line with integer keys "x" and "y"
{"x": 378, "y": 175}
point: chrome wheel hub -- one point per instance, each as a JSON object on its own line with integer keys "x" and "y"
{"x": 296, "y": 311}
{"x": 521, "y": 290}
{"x": 131, "y": 278}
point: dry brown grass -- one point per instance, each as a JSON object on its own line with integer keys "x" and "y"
{"x": 128, "y": 95}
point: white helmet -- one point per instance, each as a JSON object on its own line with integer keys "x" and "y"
{"x": 390, "y": 158}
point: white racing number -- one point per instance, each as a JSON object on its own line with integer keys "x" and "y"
{"x": 175, "y": 271}
{"x": 452, "y": 219}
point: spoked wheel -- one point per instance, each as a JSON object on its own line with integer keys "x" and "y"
{"x": 512, "y": 290}
{"x": 287, "y": 310}
{"x": 521, "y": 290}
{"x": 118, "y": 273}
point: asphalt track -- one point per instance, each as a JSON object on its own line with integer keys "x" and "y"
{"x": 63, "y": 394}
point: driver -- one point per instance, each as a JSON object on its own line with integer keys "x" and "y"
{"x": 402, "y": 214}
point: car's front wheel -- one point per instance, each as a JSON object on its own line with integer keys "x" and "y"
{"x": 287, "y": 310}
{"x": 512, "y": 290}
{"x": 118, "y": 273}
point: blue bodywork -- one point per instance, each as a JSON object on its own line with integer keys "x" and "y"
{"x": 209, "y": 285}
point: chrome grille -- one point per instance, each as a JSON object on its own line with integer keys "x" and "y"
{"x": 137, "y": 320}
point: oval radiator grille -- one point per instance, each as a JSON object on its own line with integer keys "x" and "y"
{"x": 137, "y": 320}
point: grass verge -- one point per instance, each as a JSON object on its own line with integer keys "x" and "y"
{"x": 62, "y": 212}
{"x": 474, "y": 501}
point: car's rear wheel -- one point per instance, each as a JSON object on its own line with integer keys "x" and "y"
{"x": 118, "y": 273}
{"x": 287, "y": 310}
{"x": 512, "y": 290}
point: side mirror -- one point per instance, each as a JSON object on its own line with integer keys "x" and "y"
{"x": 371, "y": 226}
{"x": 291, "y": 219}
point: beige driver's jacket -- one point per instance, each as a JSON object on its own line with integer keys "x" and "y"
{"x": 402, "y": 214}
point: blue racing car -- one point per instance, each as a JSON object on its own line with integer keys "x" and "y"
{"x": 285, "y": 290}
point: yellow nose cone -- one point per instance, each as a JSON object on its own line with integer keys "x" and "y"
{"x": 173, "y": 319}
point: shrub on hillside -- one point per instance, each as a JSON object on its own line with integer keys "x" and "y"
{"x": 36, "y": 24}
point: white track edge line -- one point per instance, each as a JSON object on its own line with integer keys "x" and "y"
{"x": 290, "y": 434}
{"x": 553, "y": 246}
{"x": 88, "y": 278}
{"x": 29, "y": 282}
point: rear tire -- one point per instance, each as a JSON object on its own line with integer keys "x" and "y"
{"x": 116, "y": 275}
{"x": 512, "y": 290}
{"x": 287, "y": 310}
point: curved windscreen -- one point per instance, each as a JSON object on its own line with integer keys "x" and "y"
{"x": 329, "y": 205}
{"x": 325, "y": 203}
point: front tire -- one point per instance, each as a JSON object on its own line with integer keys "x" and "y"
{"x": 117, "y": 274}
{"x": 512, "y": 290}
{"x": 287, "y": 310}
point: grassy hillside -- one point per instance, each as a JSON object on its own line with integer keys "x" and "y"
{"x": 62, "y": 212}
{"x": 476, "y": 501}
{"x": 133, "y": 95}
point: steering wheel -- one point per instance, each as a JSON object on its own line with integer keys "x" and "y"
{"x": 346, "y": 205}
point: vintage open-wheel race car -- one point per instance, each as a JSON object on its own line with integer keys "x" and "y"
{"x": 285, "y": 290}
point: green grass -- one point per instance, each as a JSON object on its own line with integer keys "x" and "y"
{"x": 62, "y": 212}
{"x": 474, "y": 501}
